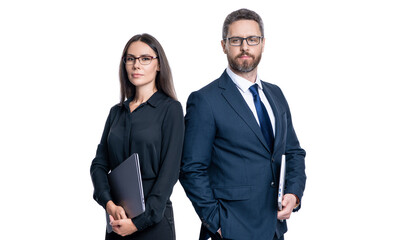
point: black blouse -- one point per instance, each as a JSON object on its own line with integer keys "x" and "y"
{"x": 154, "y": 130}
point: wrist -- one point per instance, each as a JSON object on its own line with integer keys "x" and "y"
{"x": 110, "y": 205}
{"x": 297, "y": 203}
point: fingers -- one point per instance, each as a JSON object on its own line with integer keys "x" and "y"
{"x": 287, "y": 199}
{"x": 284, "y": 202}
{"x": 290, "y": 199}
{"x": 286, "y": 211}
{"x": 282, "y": 215}
{"x": 111, "y": 219}
{"x": 288, "y": 203}
{"x": 120, "y": 213}
{"x": 123, "y": 227}
{"x": 117, "y": 223}
{"x": 116, "y": 229}
{"x": 123, "y": 214}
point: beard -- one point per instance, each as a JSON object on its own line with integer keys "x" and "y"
{"x": 245, "y": 66}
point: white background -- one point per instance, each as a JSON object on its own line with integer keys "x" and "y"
{"x": 59, "y": 78}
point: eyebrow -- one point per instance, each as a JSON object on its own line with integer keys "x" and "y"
{"x": 245, "y": 37}
{"x": 143, "y": 55}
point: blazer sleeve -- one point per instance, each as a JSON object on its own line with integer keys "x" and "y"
{"x": 295, "y": 157}
{"x": 198, "y": 144}
{"x": 171, "y": 151}
{"x": 100, "y": 166}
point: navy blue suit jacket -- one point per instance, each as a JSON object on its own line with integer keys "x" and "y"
{"x": 228, "y": 171}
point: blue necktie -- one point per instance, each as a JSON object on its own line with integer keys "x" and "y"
{"x": 263, "y": 116}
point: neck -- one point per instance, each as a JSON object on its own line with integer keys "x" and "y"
{"x": 250, "y": 76}
{"x": 142, "y": 94}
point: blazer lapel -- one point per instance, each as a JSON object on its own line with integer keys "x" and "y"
{"x": 274, "y": 103}
{"x": 237, "y": 102}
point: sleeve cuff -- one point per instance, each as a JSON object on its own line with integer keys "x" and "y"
{"x": 297, "y": 206}
{"x": 141, "y": 222}
{"x": 104, "y": 198}
{"x": 213, "y": 224}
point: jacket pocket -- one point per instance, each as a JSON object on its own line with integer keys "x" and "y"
{"x": 232, "y": 193}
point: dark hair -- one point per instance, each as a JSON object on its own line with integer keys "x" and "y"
{"x": 163, "y": 79}
{"x": 241, "y": 14}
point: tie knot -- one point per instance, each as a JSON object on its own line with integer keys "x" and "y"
{"x": 254, "y": 90}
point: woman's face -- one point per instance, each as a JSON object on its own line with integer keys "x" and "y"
{"x": 141, "y": 75}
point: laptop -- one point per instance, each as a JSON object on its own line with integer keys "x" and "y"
{"x": 126, "y": 188}
{"x": 281, "y": 186}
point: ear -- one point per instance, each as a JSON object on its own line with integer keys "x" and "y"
{"x": 224, "y": 46}
{"x": 263, "y": 44}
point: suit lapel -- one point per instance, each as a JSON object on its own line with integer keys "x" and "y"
{"x": 274, "y": 104}
{"x": 237, "y": 102}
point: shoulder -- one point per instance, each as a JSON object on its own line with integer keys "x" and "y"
{"x": 174, "y": 106}
{"x": 170, "y": 104}
{"x": 207, "y": 92}
{"x": 116, "y": 108}
{"x": 276, "y": 93}
{"x": 167, "y": 101}
{"x": 172, "y": 112}
{"x": 115, "y": 111}
{"x": 272, "y": 87}
{"x": 211, "y": 87}
{"x": 217, "y": 86}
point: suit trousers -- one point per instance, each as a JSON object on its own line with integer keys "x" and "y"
{"x": 275, "y": 238}
{"x": 204, "y": 233}
{"x": 281, "y": 238}
{"x": 164, "y": 230}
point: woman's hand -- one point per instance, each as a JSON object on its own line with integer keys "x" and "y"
{"x": 123, "y": 227}
{"x": 117, "y": 212}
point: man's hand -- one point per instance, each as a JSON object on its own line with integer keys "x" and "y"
{"x": 123, "y": 227}
{"x": 288, "y": 203}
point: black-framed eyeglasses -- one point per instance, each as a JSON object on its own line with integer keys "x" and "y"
{"x": 144, "y": 60}
{"x": 238, "y": 41}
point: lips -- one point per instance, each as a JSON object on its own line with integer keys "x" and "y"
{"x": 244, "y": 56}
{"x": 136, "y": 75}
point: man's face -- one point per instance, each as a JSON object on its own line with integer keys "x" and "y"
{"x": 243, "y": 58}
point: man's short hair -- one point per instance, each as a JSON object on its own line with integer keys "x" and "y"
{"x": 241, "y": 14}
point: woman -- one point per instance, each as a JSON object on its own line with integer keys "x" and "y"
{"x": 148, "y": 121}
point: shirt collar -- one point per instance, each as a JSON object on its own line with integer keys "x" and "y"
{"x": 156, "y": 98}
{"x": 153, "y": 101}
{"x": 242, "y": 83}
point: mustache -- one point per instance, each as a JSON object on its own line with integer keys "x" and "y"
{"x": 245, "y": 54}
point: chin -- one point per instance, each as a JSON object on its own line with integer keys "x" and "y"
{"x": 139, "y": 82}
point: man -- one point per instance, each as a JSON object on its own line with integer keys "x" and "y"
{"x": 237, "y": 129}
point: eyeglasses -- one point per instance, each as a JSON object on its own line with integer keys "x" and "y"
{"x": 238, "y": 41}
{"x": 144, "y": 60}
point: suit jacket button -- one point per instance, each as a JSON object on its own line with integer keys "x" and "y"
{"x": 272, "y": 184}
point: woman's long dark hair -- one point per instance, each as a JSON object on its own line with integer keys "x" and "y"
{"x": 163, "y": 81}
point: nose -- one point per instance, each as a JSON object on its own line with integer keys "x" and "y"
{"x": 244, "y": 45}
{"x": 136, "y": 64}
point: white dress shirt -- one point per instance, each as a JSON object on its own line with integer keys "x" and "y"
{"x": 243, "y": 85}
